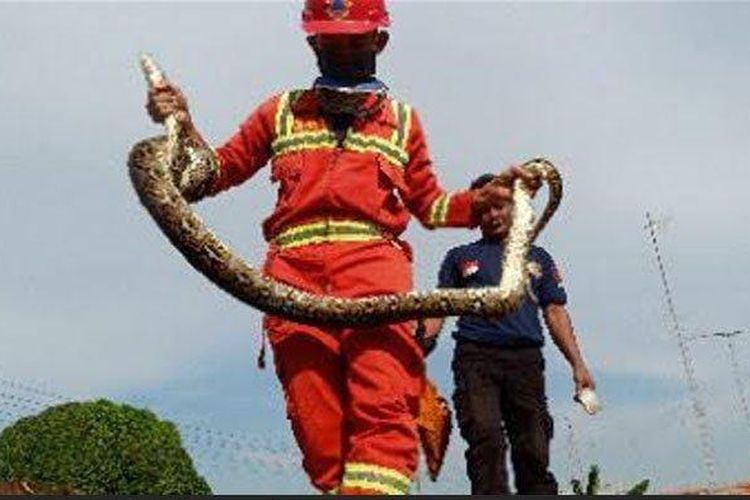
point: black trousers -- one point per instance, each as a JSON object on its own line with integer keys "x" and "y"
{"x": 500, "y": 398}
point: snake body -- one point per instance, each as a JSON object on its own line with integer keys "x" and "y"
{"x": 167, "y": 174}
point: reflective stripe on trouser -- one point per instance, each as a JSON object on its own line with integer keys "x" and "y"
{"x": 327, "y": 231}
{"x": 374, "y": 478}
{"x": 352, "y": 395}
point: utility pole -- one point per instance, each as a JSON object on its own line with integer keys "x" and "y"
{"x": 699, "y": 411}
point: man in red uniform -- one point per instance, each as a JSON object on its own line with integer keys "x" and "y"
{"x": 351, "y": 164}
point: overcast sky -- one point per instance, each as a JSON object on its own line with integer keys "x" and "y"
{"x": 643, "y": 107}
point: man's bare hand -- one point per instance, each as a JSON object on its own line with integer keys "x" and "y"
{"x": 164, "y": 99}
{"x": 583, "y": 379}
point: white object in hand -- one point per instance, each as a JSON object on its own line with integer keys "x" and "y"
{"x": 590, "y": 402}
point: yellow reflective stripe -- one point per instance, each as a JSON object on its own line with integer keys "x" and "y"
{"x": 304, "y": 140}
{"x": 402, "y": 112}
{"x": 353, "y": 142}
{"x": 375, "y": 478}
{"x": 375, "y": 144}
{"x": 327, "y": 231}
{"x": 287, "y": 140}
{"x": 407, "y": 126}
{"x": 332, "y": 238}
{"x": 395, "y": 105}
{"x": 393, "y": 475}
{"x": 329, "y": 223}
{"x": 284, "y": 120}
{"x": 365, "y": 484}
{"x": 439, "y": 210}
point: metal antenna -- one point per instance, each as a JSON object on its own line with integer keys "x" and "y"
{"x": 738, "y": 377}
{"x": 735, "y": 366}
{"x": 699, "y": 411}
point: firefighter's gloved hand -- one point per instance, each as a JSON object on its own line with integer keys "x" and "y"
{"x": 428, "y": 344}
{"x": 499, "y": 190}
{"x": 495, "y": 193}
{"x": 533, "y": 181}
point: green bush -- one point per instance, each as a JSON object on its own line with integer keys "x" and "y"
{"x": 98, "y": 448}
{"x": 594, "y": 485}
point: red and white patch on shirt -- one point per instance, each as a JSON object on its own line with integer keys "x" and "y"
{"x": 469, "y": 268}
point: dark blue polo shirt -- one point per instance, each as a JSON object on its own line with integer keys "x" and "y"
{"x": 478, "y": 264}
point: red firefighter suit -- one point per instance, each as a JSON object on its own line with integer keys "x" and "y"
{"x": 343, "y": 200}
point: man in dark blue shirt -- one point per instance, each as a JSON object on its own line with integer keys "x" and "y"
{"x": 498, "y": 365}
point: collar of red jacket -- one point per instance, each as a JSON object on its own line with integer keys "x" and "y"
{"x": 307, "y": 103}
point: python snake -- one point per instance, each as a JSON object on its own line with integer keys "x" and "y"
{"x": 168, "y": 174}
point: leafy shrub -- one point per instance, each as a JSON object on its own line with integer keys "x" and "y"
{"x": 99, "y": 448}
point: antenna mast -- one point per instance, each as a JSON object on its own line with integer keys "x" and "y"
{"x": 699, "y": 412}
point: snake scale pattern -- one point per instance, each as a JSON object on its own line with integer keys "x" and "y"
{"x": 168, "y": 174}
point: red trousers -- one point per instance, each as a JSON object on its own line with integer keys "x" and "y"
{"x": 352, "y": 395}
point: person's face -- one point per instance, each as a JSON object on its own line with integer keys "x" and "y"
{"x": 348, "y": 56}
{"x": 495, "y": 220}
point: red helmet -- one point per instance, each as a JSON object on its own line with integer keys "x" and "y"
{"x": 333, "y": 17}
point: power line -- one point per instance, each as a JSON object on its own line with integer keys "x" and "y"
{"x": 18, "y": 400}
{"x": 699, "y": 411}
{"x": 16, "y": 385}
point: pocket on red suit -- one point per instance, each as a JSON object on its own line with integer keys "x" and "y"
{"x": 392, "y": 183}
{"x": 286, "y": 170}
{"x": 391, "y": 176}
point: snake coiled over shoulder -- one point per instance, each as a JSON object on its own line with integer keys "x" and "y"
{"x": 167, "y": 173}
